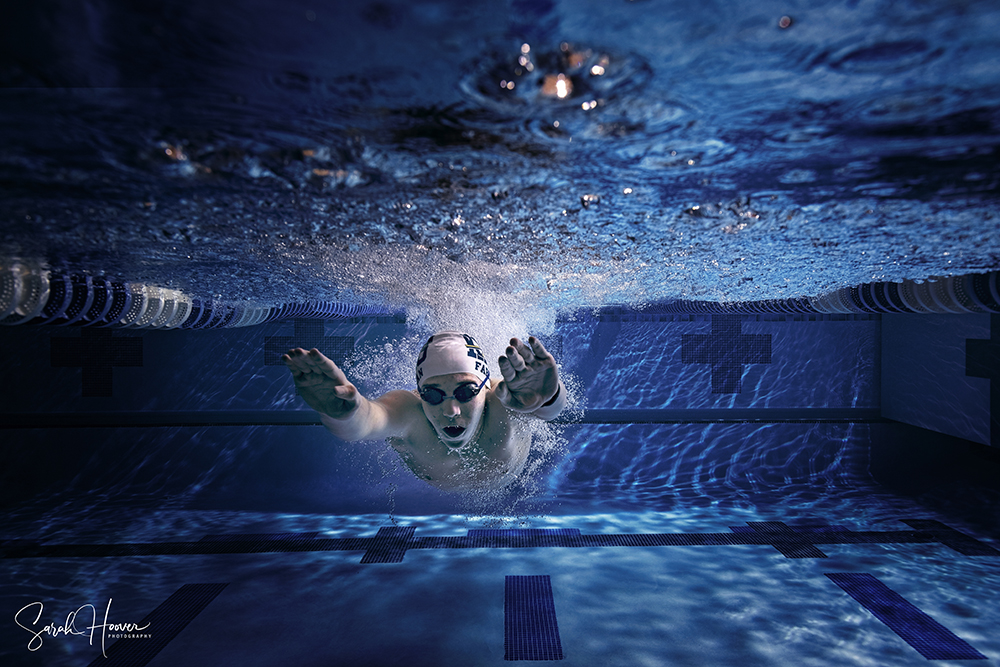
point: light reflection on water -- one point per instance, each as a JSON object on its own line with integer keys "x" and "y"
{"x": 694, "y": 605}
{"x": 773, "y": 467}
{"x": 246, "y": 155}
{"x": 812, "y": 365}
{"x": 262, "y": 164}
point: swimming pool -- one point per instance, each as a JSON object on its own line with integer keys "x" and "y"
{"x": 758, "y": 237}
{"x": 666, "y": 540}
{"x": 276, "y": 153}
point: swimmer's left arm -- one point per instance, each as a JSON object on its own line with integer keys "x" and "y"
{"x": 530, "y": 380}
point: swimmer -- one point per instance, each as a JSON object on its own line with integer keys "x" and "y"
{"x": 456, "y": 431}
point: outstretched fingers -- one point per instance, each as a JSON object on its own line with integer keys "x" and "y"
{"x": 299, "y": 361}
{"x": 507, "y": 369}
{"x": 291, "y": 359}
{"x": 538, "y": 349}
{"x": 518, "y": 356}
{"x": 523, "y": 351}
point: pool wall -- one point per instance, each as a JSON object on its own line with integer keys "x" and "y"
{"x": 672, "y": 409}
{"x": 935, "y": 373}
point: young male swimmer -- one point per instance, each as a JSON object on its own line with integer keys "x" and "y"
{"x": 455, "y": 431}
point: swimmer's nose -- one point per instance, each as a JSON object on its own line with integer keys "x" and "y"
{"x": 450, "y": 407}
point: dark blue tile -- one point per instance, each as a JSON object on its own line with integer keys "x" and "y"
{"x": 982, "y": 360}
{"x": 726, "y": 351}
{"x": 97, "y": 352}
{"x": 245, "y": 537}
{"x": 530, "y": 631}
{"x": 390, "y": 545}
{"x": 524, "y": 537}
{"x": 522, "y": 532}
{"x": 951, "y": 538}
{"x": 163, "y": 624}
{"x": 931, "y": 639}
{"x": 791, "y": 543}
{"x": 308, "y": 334}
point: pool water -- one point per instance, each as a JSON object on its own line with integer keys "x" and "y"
{"x": 732, "y": 484}
{"x": 659, "y": 486}
{"x": 277, "y": 152}
{"x": 623, "y": 605}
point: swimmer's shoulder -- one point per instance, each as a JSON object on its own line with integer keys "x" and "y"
{"x": 404, "y": 398}
{"x": 403, "y": 408}
{"x": 416, "y": 434}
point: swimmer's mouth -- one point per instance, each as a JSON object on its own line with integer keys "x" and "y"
{"x": 453, "y": 431}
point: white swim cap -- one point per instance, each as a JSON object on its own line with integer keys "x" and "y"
{"x": 449, "y": 352}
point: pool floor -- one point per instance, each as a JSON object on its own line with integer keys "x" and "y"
{"x": 443, "y": 591}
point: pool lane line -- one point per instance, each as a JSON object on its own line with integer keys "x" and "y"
{"x": 203, "y": 418}
{"x": 161, "y": 625}
{"x": 530, "y": 627}
{"x": 391, "y": 543}
{"x": 928, "y": 637}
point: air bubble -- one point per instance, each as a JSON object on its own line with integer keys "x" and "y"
{"x": 554, "y": 78}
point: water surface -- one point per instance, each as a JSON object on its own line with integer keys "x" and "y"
{"x": 284, "y": 151}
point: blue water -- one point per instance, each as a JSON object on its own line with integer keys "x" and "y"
{"x": 644, "y": 367}
{"x": 616, "y": 606}
{"x": 275, "y": 152}
{"x": 665, "y": 605}
{"x": 280, "y": 152}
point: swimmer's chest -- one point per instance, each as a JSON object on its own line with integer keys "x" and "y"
{"x": 433, "y": 461}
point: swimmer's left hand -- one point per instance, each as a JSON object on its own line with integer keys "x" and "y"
{"x": 530, "y": 377}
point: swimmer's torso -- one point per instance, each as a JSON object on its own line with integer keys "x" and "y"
{"x": 493, "y": 458}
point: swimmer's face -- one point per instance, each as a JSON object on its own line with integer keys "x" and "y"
{"x": 454, "y": 422}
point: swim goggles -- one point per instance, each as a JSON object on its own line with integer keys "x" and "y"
{"x": 463, "y": 394}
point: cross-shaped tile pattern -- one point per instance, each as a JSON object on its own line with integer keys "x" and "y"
{"x": 97, "y": 352}
{"x": 727, "y": 350}
{"x": 982, "y": 360}
{"x": 308, "y": 334}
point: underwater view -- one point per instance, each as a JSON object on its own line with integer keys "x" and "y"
{"x": 285, "y": 152}
{"x": 629, "y": 332}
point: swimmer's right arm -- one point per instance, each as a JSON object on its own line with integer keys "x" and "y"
{"x": 343, "y": 410}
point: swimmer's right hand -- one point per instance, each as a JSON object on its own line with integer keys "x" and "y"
{"x": 322, "y": 385}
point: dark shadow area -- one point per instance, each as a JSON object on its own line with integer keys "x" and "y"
{"x": 957, "y": 478}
